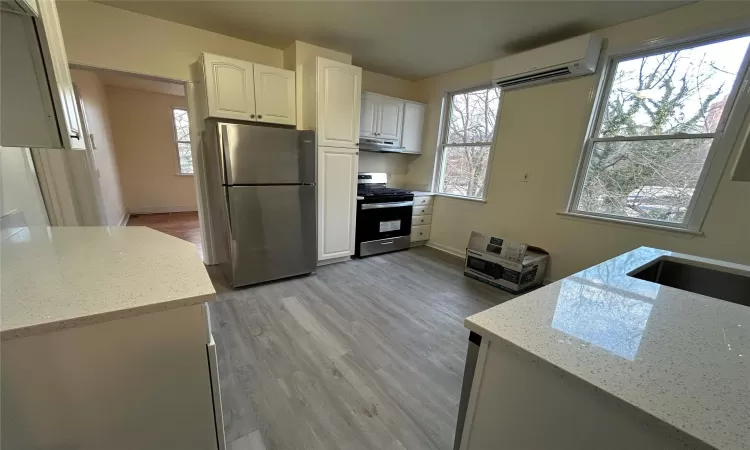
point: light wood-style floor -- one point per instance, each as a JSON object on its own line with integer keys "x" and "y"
{"x": 366, "y": 354}
{"x": 183, "y": 225}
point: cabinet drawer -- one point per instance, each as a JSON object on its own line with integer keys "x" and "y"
{"x": 421, "y": 220}
{"x": 420, "y": 233}
{"x": 422, "y": 210}
{"x": 422, "y": 201}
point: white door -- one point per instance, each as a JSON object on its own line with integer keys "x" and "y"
{"x": 229, "y": 87}
{"x": 411, "y": 135}
{"x": 274, "y": 95}
{"x": 339, "y": 94}
{"x": 59, "y": 74}
{"x": 390, "y": 118}
{"x": 337, "y": 201}
{"x": 368, "y": 125}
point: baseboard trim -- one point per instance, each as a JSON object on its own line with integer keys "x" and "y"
{"x": 446, "y": 249}
{"x": 161, "y": 209}
{"x": 124, "y": 220}
{"x": 325, "y": 262}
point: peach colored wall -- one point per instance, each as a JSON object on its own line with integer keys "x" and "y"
{"x": 96, "y": 114}
{"x": 147, "y": 153}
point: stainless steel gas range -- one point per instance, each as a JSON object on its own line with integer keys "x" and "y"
{"x": 383, "y": 216}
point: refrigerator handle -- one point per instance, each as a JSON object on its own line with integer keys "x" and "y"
{"x": 226, "y": 169}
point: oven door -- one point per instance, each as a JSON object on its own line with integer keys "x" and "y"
{"x": 383, "y": 220}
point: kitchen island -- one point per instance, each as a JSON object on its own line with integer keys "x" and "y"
{"x": 602, "y": 359}
{"x": 105, "y": 341}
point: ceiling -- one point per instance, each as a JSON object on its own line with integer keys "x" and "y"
{"x": 406, "y": 39}
{"x": 139, "y": 82}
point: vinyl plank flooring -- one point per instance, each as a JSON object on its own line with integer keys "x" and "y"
{"x": 366, "y": 354}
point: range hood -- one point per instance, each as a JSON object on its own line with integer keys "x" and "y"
{"x": 380, "y": 145}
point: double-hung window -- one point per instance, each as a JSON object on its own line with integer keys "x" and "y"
{"x": 655, "y": 143}
{"x": 182, "y": 140}
{"x": 466, "y": 141}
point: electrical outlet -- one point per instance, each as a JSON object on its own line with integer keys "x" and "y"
{"x": 525, "y": 177}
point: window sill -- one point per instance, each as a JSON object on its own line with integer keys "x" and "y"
{"x": 459, "y": 197}
{"x": 667, "y": 228}
{"x": 185, "y": 174}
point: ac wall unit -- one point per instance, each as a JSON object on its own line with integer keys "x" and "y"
{"x": 565, "y": 59}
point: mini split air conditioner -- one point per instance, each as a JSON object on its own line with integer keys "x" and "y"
{"x": 565, "y": 59}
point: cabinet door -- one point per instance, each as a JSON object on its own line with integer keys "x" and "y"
{"x": 229, "y": 87}
{"x": 337, "y": 201}
{"x": 411, "y": 137}
{"x": 58, "y": 73}
{"x": 390, "y": 118}
{"x": 368, "y": 124}
{"x": 339, "y": 95}
{"x": 274, "y": 95}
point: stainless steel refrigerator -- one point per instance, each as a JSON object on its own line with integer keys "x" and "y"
{"x": 261, "y": 188}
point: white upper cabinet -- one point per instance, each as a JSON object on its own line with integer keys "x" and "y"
{"x": 411, "y": 139}
{"x": 242, "y": 90}
{"x": 390, "y": 118}
{"x": 382, "y": 117}
{"x": 37, "y": 87}
{"x": 338, "y": 103}
{"x": 230, "y": 92}
{"x": 368, "y": 125}
{"x": 274, "y": 95}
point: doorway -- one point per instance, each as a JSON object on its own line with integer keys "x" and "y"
{"x": 140, "y": 145}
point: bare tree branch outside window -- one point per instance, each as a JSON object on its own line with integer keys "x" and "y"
{"x": 466, "y": 143}
{"x": 657, "y": 128}
{"x": 182, "y": 139}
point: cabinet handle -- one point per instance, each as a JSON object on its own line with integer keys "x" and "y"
{"x": 252, "y": 116}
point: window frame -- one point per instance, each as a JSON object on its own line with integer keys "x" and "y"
{"x": 178, "y": 142}
{"x": 443, "y": 137}
{"x": 724, "y": 138}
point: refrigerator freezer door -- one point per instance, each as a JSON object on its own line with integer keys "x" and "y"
{"x": 267, "y": 155}
{"x": 273, "y": 232}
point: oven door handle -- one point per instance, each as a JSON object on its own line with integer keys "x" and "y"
{"x": 386, "y": 205}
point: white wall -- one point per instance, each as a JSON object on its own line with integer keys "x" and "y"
{"x": 143, "y": 131}
{"x": 20, "y": 199}
{"x": 102, "y": 36}
{"x": 541, "y": 131}
{"x": 96, "y": 114}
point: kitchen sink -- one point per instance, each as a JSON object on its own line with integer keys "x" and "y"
{"x": 687, "y": 276}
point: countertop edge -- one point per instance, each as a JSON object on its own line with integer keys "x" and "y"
{"x": 75, "y": 322}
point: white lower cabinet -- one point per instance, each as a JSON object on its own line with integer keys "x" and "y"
{"x": 337, "y": 201}
{"x": 421, "y": 220}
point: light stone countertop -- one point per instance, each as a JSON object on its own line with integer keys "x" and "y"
{"x": 681, "y": 357}
{"x": 63, "y": 277}
{"x": 422, "y": 193}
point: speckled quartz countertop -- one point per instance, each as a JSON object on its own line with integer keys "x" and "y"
{"x": 681, "y": 357}
{"x": 63, "y": 277}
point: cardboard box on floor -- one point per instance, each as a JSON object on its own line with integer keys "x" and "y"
{"x": 508, "y": 265}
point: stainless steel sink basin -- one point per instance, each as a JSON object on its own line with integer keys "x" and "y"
{"x": 681, "y": 274}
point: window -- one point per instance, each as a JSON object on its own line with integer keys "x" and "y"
{"x": 658, "y": 125}
{"x": 182, "y": 138}
{"x": 466, "y": 141}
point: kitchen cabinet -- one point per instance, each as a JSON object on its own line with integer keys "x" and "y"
{"x": 28, "y": 7}
{"x": 230, "y": 92}
{"x": 411, "y": 138}
{"x": 382, "y": 117}
{"x": 337, "y": 201}
{"x": 339, "y": 90}
{"x": 38, "y": 107}
{"x": 421, "y": 219}
{"x": 242, "y": 90}
{"x": 274, "y": 95}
